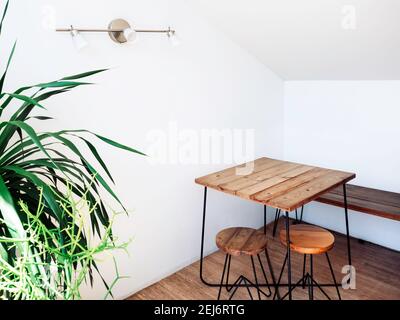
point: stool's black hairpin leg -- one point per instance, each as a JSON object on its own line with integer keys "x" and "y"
{"x": 248, "y": 289}
{"x": 236, "y": 285}
{"x": 255, "y": 277}
{"x": 295, "y": 286}
{"x": 333, "y": 275}
{"x": 223, "y": 275}
{"x": 309, "y": 286}
{"x": 265, "y": 275}
{"x": 227, "y": 276}
{"x": 304, "y": 270}
{"x": 271, "y": 271}
{"x": 238, "y": 282}
{"x": 316, "y": 284}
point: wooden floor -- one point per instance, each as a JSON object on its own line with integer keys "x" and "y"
{"x": 377, "y": 273}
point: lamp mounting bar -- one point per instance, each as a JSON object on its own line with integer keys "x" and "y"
{"x": 119, "y": 30}
{"x": 70, "y": 29}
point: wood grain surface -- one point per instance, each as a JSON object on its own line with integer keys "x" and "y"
{"x": 279, "y": 184}
{"x": 238, "y": 240}
{"x": 308, "y": 239}
{"x": 377, "y": 270}
{"x": 380, "y": 203}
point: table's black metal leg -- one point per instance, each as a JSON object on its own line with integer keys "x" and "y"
{"x": 265, "y": 219}
{"x": 347, "y": 224}
{"x": 202, "y": 236}
{"x": 301, "y": 214}
{"x": 312, "y": 277}
{"x": 277, "y": 216}
{"x": 274, "y": 226}
{"x": 288, "y": 255}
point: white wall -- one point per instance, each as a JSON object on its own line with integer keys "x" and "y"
{"x": 353, "y": 126}
{"x": 206, "y": 82}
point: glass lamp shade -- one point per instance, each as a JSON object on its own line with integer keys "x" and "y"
{"x": 173, "y": 39}
{"x": 130, "y": 35}
{"x": 78, "y": 40}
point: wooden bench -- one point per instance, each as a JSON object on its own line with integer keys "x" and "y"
{"x": 371, "y": 201}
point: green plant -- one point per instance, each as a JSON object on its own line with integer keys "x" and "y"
{"x": 53, "y": 163}
{"x": 57, "y": 276}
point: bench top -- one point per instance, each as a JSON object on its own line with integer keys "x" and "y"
{"x": 279, "y": 184}
{"x": 381, "y": 203}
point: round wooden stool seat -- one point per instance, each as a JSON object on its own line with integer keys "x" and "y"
{"x": 308, "y": 239}
{"x": 237, "y": 241}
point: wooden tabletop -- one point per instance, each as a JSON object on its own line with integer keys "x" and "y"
{"x": 279, "y": 184}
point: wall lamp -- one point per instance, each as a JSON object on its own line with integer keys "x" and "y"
{"x": 119, "y": 30}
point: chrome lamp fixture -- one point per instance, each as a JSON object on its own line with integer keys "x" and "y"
{"x": 78, "y": 40}
{"x": 119, "y": 30}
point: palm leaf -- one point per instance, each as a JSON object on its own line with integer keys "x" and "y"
{"x": 83, "y": 75}
{"x": 8, "y": 64}
{"x": 41, "y": 175}
{"x": 8, "y": 212}
{"x": 4, "y": 15}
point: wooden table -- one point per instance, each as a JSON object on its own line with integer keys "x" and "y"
{"x": 278, "y": 184}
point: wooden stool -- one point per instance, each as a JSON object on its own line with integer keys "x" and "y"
{"x": 243, "y": 241}
{"x": 309, "y": 240}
